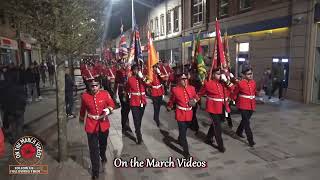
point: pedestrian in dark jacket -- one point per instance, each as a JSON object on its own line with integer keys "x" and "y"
{"x": 31, "y": 84}
{"x": 13, "y": 102}
{"x": 37, "y": 77}
{"x": 69, "y": 86}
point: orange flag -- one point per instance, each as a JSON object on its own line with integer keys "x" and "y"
{"x": 152, "y": 57}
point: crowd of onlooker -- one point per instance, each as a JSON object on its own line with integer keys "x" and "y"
{"x": 29, "y": 77}
{"x": 18, "y": 87}
{"x": 274, "y": 80}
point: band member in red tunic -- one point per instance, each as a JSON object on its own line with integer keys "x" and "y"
{"x": 121, "y": 80}
{"x": 96, "y": 105}
{"x": 244, "y": 94}
{"x": 157, "y": 92}
{"x": 184, "y": 97}
{"x": 136, "y": 88}
{"x": 216, "y": 105}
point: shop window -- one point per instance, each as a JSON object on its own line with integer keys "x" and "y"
{"x": 242, "y": 57}
{"x": 243, "y": 47}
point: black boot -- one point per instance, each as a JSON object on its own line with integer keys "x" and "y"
{"x": 222, "y": 149}
{"x": 251, "y": 143}
{"x": 139, "y": 139}
{"x": 240, "y": 135}
{"x": 230, "y": 125}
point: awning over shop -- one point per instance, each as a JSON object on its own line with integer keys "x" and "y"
{"x": 7, "y": 43}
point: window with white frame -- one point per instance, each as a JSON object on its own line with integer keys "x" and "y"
{"x": 176, "y": 19}
{"x": 197, "y": 11}
{"x": 245, "y": 4}
{"x": 157, "y": 27}
{"x": 223, "y": 8}
{"x": 151, "y": 26}
{"x": 169, "y": 23}
{"x": 162, "y": 24}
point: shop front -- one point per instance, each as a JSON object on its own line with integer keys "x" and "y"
{"x": 8, "y": 51}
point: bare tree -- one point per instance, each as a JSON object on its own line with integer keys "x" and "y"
{"x": 65, "y": 29}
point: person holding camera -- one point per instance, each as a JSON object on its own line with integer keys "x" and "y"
{"x": 184, "y": 96}
{"x": 217, "y": 104}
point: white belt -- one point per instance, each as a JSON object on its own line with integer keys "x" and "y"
{"x": 217, "y": 99}
{"x": 157, "y": 87}
{"x": 184, "y": 109}
{"x": 248, "y": 97}
{"x": 96, "y": 117}
{"x": 138, "y": 94}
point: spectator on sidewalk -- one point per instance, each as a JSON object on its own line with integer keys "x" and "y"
{"x": 69, "y": 86}
{"x": 277, "y": 77}
{"x": 43, "y": 70}
{"x": 266, "y": 82}
{"x": 11, "y": 73}
{"x": 13, "y": 102}
{"x": 31, "y": 84}
{"x": 37, "y": 76}
{"x": 51, "y": 71}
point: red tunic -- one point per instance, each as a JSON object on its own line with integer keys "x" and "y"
{"x": 217, "y": 96}
{"x": 89, "y": 73}
{"x": 110, "y": 74}
{"x": 180, "y": 96}
{"x": 120, "y": 80}
{"x": 157, "y": 88}
{"x": 136, "y": 91}
{"x": 94, "y": 105}
{"x": 244, "y": 94}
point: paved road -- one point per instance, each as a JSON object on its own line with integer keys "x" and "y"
{"x": 286, "y": 134}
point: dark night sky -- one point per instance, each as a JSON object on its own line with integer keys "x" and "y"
{"x": 122, "y": 9}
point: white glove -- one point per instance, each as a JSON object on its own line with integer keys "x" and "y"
{"x": 107, "y": 111}
{"x": 231, "y": 75}
{"x": 158, "y": 71}
{"x": 223, "y": 78}
{"x": 140, "y": 75}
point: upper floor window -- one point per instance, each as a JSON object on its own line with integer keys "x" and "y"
{"x": 244, "y": 4}
{"x": 223, "y": 8}
{"x": 2, "y": 18}
{"x": 197, "y": 11}
{"x": 169, "y": 23}
{"x": 157, "y": 27}
{"x": 151, "y": 26}
{"x": 176, "y": 19}
{"x": 162, "y": 24}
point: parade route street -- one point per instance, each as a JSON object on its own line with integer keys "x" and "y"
{"x": 286, "y": 133}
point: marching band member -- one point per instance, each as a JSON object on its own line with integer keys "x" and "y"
{"x": 96, "y": 104}
{"x": 184, "y": 97}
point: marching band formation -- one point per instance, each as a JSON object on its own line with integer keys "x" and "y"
{"x": 132, "y": 86}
